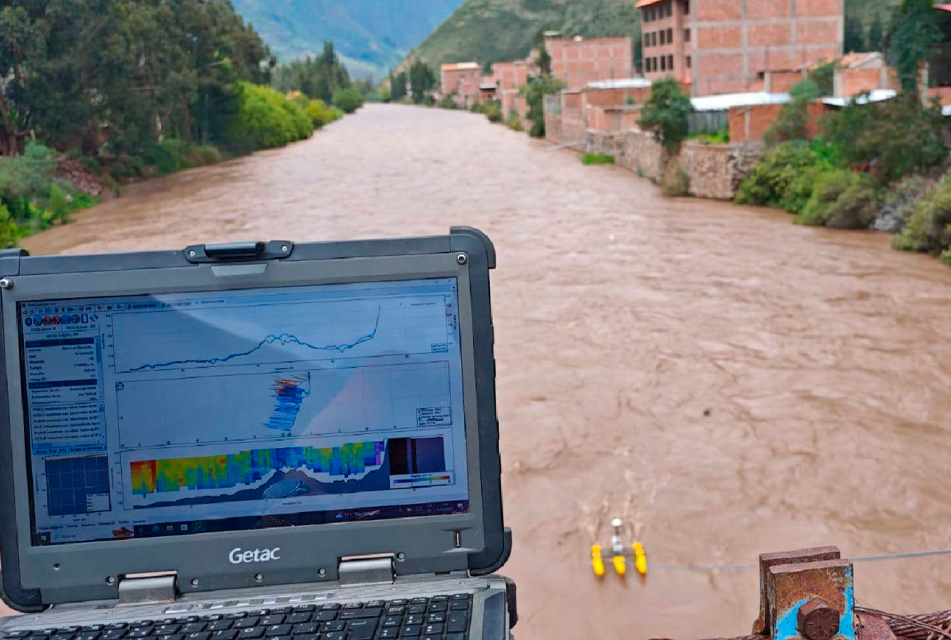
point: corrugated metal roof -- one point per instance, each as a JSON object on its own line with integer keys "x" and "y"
{"x": 461, "y": 66}
{"x": 728, "y": 101}
{"x": 878, "y": 95}
{"x": 622, "y": 83}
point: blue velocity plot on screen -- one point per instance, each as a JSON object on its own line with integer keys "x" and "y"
{"x": 289, "y": 393}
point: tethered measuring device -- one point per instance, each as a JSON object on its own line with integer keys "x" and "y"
{"x": 620, "y": 553}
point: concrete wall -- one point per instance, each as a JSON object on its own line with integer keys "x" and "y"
{"x": 715, "y": 171}
{"x": 578, "y": 62}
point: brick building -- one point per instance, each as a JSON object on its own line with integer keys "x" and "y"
{"x": 731, "y": 46}
{"x": 577, "y": 61}
{"x": 462, "y": 80}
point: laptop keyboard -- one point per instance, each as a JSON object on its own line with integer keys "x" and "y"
{"x": 437, "y": 618}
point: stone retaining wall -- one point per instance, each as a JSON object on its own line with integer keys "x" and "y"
{"x": 715, "y": 171}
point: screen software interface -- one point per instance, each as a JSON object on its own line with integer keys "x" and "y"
{"x": 200, "y": 412}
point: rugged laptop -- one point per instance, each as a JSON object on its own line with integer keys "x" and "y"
{"x": 253, "y": 441}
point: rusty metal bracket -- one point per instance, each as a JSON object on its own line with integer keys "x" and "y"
{"x": 806, "y": 595}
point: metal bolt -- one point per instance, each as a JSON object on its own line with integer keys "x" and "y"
{"x": 285, "y": 248}
{"x": 462, "y": 258}
{"x": 6, "y": 283}
{"x": 817, "y": 620}
{"x": 192, "y": 254}
{"x": 259, "y": 577}
{"x": 56, "y": 567}
{"x": 401, "y": 556}
{"x": 111, "y": 579}
{"x": 194, "y": 582}
{"x": 321, "y": 572}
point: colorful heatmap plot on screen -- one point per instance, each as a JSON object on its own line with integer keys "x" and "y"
{"x": 248, "y": 467}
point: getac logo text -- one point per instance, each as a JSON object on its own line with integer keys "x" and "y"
{"x": 237, "y": 556}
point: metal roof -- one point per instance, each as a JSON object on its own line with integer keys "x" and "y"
{"x": 646, "y": 3}
{"x": 878, "y": 95}
{"x": 461, "y": 66}
{"x": 943, "y": 7}
{"x": 728, "y": 101}
{"x": 621, "y": 83}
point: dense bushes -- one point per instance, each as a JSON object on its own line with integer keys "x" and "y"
{"x": 790, "y": 164}
{"x": 348, "y": 100}
{"x": 870, "y": 167}
{"x": 319, "y": 113}
{"x": 929, "y": 226}
{"x": 841, "y": 199}
{"x": 265, "y": 119}
{"x": 31, "y": 198}
{"x": 888, "y": 139}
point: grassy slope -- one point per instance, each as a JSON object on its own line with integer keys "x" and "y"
{"x": 371, "y": 35}
{"x": 493, "y": 30}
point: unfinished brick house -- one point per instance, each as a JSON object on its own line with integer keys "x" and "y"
{"x": 732, "y": 46}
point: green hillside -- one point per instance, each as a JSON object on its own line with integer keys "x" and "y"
{"x": 494, "y": 30}
{"x": 370, "y": 35}
{"x": 497, "y": 30}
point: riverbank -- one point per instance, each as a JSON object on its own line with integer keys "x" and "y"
{"x": 733, "y": 383}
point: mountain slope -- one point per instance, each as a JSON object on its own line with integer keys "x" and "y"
{"x": 493, "y": 30}
{"x": 371, "y": 35}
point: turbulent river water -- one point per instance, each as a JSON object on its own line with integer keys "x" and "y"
{"x": 730, "y": 382}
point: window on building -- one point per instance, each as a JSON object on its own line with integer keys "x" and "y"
{"x": 669, "y": 7}
{"x": 670, "y": 35}
{"x": 688, "y": 62}
{"x": 649, "y": 66}
{"x": 663, "y": 37}
{"x": 686, "y": 35}
{"x": 686, "y": 7}
{"x": 649, "y": 14}
{"x": 663, "y": 63}
{"x": 670, "y": 62}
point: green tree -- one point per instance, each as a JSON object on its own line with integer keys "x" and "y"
{"x": 544, "y": 60}
{"x": 535, "y": 92}
{"x": 348, "y": 100}
{"x": 876, "y": 33}
{"x": 666, "y": 114}
{"x": 913, "y": 33}
{"x": 854, "y": 34}
{"x": 398, "y": 86}
{"x": 422, "y": 80}
{"x": 793, "y": 120}
{"x": 316, "y": 78}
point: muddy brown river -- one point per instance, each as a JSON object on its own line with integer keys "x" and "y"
{"x": 730, "y": 382}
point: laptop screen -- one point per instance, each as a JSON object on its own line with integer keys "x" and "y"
{"x": 171, "y": 415}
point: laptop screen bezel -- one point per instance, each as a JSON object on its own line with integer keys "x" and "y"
{"x": 82, "y": 571}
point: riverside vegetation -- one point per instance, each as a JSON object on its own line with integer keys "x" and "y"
{"x": 883, "y": 165}
{"x": 114, "y": 91}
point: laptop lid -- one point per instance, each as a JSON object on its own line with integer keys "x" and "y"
{"x": 247, "y": 415}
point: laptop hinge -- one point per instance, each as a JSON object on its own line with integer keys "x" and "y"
{"x": 148, "y": 587}
{"x": 366, "y": 570}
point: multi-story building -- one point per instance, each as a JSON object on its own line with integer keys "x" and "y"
{"x": 732, "y": 46}
{"x": 462, "y": 81}
{"x": 578, "y": 61}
